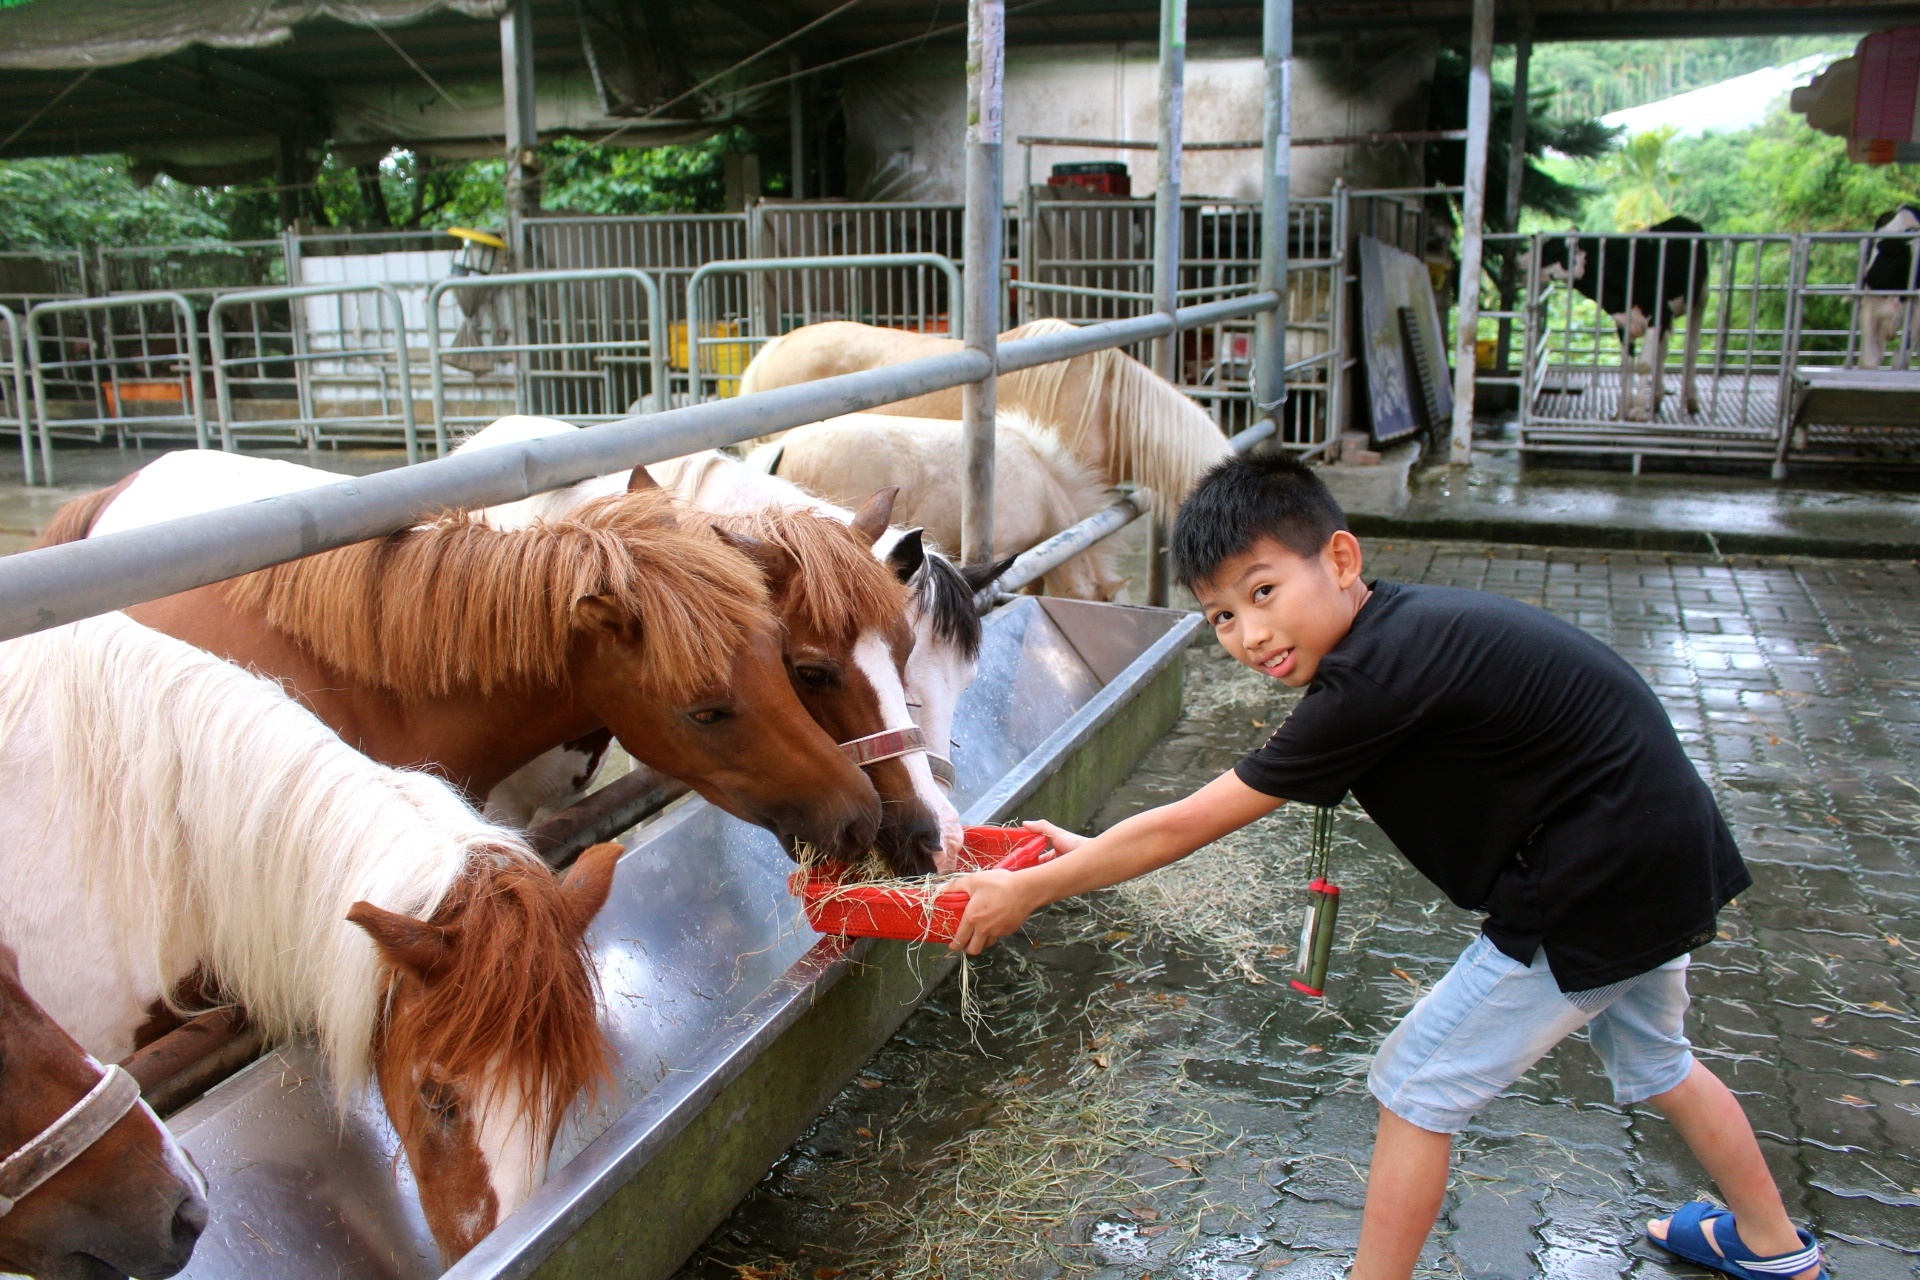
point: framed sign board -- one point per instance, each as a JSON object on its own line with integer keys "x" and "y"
{"x": 1398, "y": 395}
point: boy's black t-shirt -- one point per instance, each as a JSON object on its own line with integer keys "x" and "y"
{"x": 1523, "y": 767}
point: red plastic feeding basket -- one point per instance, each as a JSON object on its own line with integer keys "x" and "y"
{"x": 875, "y": 911}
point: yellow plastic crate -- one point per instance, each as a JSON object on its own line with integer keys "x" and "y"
{"x": 725, "y": 361}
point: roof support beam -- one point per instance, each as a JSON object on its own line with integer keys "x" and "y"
{"x": 1473, "y": 210}
{"x": 985, "y": 226}
{"x": 523, "y": 127}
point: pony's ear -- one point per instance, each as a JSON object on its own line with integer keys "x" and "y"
{"x": 641, "y": 480}
{"x": 775, "y": 562}
{"x": 980, "y": 576}
{"x": 908, "y": 554}
{"x": 597, "y": 613}
{"x": 588, "y": 883}
{"x": 875, "y": 514}
{"x": 416, "y": 946}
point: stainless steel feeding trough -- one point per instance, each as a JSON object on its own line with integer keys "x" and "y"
{"x": 735, "y": 1023}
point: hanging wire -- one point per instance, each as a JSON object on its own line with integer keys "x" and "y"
{"x": 51, "y": 104}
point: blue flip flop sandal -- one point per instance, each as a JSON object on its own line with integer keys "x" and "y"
{"x": 1686, "y": 1238}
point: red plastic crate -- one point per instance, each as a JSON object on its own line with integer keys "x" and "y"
{"x": 872, "y": 911}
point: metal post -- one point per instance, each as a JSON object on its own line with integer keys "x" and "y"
{"x": 1474, "y": 214}
{"x": 1516, "y": 167}
{"x": 1166, "y": 240}
{"x": 523, "y": 127}
{"x": 1270, "y": 330}
{"x": 796, "y": 132}
{"x": 986, "y": 224}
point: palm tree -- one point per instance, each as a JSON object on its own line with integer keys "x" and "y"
{"x": 1637, "y": 175}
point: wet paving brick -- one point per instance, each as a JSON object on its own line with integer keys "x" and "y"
{"x": 1140, "y": 1094}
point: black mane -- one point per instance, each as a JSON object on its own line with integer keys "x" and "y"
{"x": 944, "y": 593}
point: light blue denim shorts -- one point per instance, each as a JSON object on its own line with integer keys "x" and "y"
{"x": 1491, "y": 1018}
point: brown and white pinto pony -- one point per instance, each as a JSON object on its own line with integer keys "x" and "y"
{"x": 471, "y": 651}
{"x": 913, "y": 677}
{"x": 172, "y": 816}
{"x": 1122, "y": 421}
{"x": 128, "y": 1204}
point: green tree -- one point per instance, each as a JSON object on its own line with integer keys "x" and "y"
{"x": 83, "y": 201}
{"x": 1540, "y": 188}
{"x": 1639, "y": 181}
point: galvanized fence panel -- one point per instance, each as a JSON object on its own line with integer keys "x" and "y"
{"x": 1584, "y": 396}
{"x": 14, "y": 415}
{"x": 273, "y": 370}
{"x": 763, "y": 298}
{"x": 146, "y": 372}
{"x": 668, "y": 247}
{"x": 581, "y": 344}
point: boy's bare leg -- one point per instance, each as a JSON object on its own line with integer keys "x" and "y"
{"x": 1709, "y": 1117}
{"x": 1405, "y": 1186}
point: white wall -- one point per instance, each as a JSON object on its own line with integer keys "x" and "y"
{"x": 904, "y": 116}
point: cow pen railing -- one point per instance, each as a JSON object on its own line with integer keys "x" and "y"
{"x": 576, "y": 354}
{"x": 1771, "y": 307}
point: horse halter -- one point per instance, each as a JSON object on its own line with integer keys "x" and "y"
{"x": 890, "y": 744}
{"x": 62, "y": 1142}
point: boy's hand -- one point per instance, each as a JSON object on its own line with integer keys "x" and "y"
{"x": 1062, "y": 840}
{"x": 998, "y": 904}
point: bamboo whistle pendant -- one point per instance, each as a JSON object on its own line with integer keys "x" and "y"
{"x": 1323, "y": 908}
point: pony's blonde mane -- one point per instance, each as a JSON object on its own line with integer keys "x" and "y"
{"x": 225, "y": 825}
{"x": 1157, "y": 437}
{"x": 841, "y": 590}
{"x": 1077, "y": 482}
{"x": 456, "y": 604}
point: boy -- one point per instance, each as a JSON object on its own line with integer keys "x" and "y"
{"x": 1526, "y": 770}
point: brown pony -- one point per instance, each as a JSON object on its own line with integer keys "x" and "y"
{"x": 471, "y": 651}
{"x": 844, "y": 610}
{"x": 129, "y": 1204}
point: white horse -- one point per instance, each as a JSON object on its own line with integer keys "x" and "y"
{"x": 1039, "y": 488}
{"x": 176, "y": 823}
{"x": 1125, "y": 423}
{"x": 946, "y": 627}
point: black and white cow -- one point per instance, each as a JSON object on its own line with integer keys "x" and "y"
{"x": 1889, "y": 272}
{"x": 1646, "y": 284}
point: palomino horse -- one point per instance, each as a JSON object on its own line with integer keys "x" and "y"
{"x": 175, "y": 822}
{"x": 472, "y": 651}
{"x": 1039, "y": 488}
{"x": 91, "y": 1183}
{"x": 1126, "y": 424}
{"x": 945, "y": 625}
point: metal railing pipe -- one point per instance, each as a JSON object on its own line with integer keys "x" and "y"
{"x": 985, "y": 226}
{"x": 190, "y": 338}
{"x": 55, "y": 585}
{"x": 956, "y": 293}
{"x": 1027, "y": 352}
{"x": 1043, "y": 558}
{"x": 656, "y": 339}
{"x": 17, "y": 364}
{"x": 389, "y": 299}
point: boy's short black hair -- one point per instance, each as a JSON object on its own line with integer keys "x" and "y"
{"x": 1246, "y": 498}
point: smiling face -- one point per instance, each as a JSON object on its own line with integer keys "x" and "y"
{"x": 1280, "y": 612}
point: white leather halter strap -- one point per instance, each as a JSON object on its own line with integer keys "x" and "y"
{"x": 888, "y": 744}
{"x": 61, "y": 1142}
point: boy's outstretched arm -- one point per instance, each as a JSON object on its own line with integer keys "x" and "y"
{"x": 1001, "y": 901}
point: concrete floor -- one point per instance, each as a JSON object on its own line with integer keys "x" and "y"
{"x": 1235, "y": 1120}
